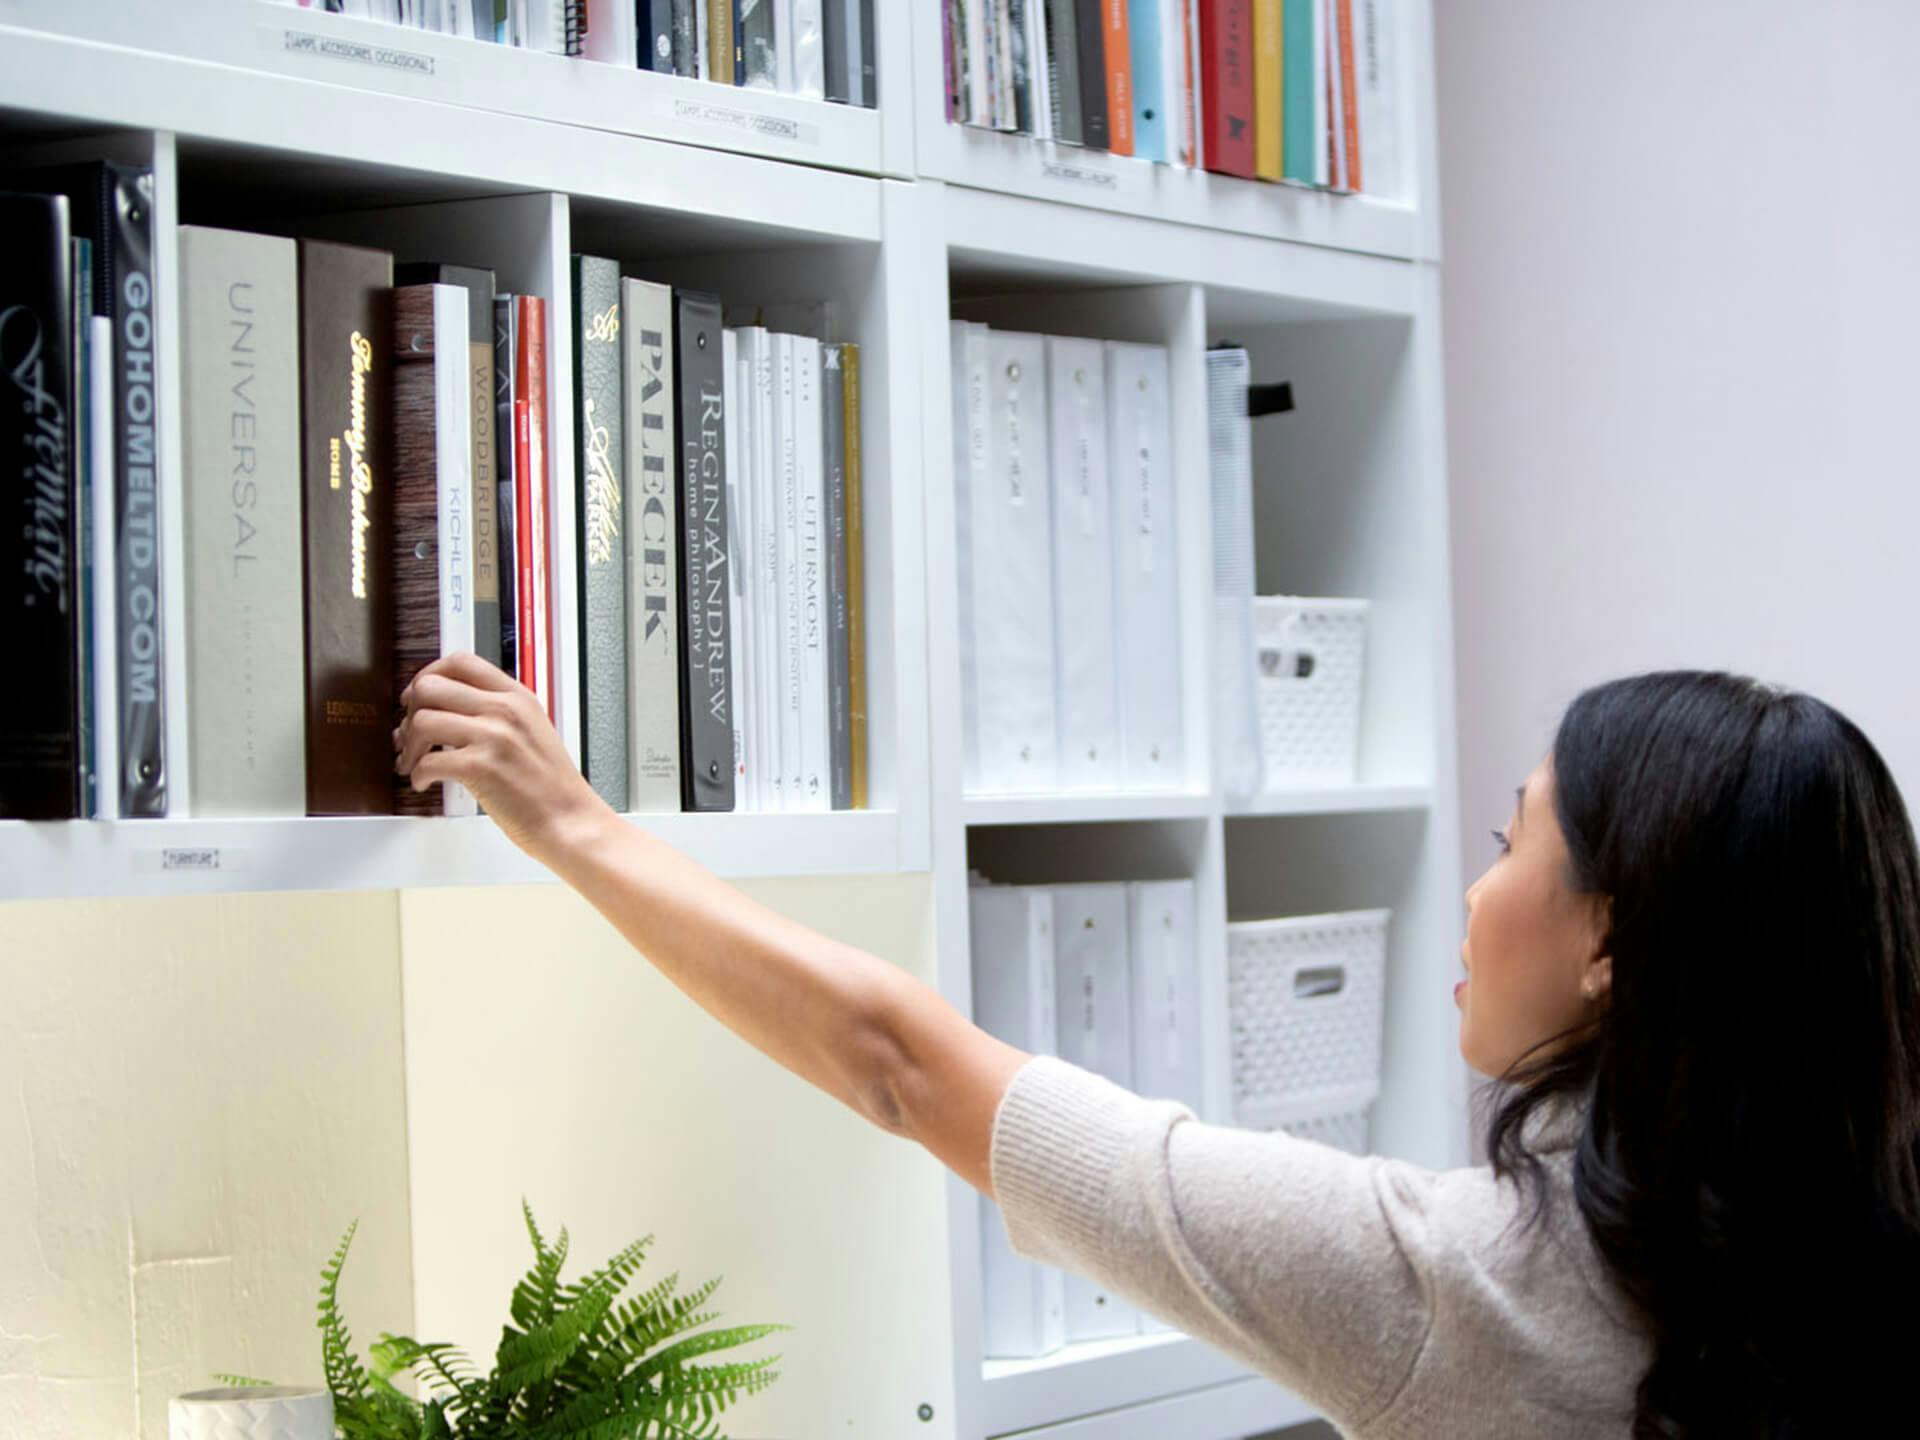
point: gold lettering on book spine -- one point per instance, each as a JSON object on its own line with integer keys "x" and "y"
{"x": 603, "y": 493}
{"x": 361, "y": 350}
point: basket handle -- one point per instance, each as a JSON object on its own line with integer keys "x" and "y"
{"x": 1297, "y": 661}
{"x": 1316, "y": 982}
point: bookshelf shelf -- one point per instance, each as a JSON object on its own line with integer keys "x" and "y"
{"x": 1335, "y": 800}
{"x": 201, "y": 857}
{"x": 1082, "y": 809}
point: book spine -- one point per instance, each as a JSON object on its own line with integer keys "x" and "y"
{"x": 1268, "y": 59}
{"x": 601, "y": 546}
{"x": 836, "y": 47}
{"x": 1119, "y": 74}
{"x": 1227, "y": 85}
{"x": 833, "y": 400}
{"x": 1193, "y": 108}
{"x": 1021, "y": 65}
{"x": 705, "y": 668}
{"x": 1353, "y": 173}
{"x": 1063, "y": 56}
{"x": 655, "y": 26}
{"x": 1296, "y": 98}
{"x": 739, "y": 547}
{"x": 787, "y": 483}
{"x": 975, "y": 71}
{"x": 869, "y": 67}
{"x": 686, "y": 38}
{"x": 809, "y": 61}
{"x": 856, "y": 580}
{"x": 536, "y": 610}
{"x": 702, "y": 20}
{"x": 240, "y": 408}
{"x": 720, "y": 41}
{"x": 761, "y": 45}
{"x": 766, "y": 631}
{"x": 1090, "y": 36}
{"x": 815, "y": 632}
{"x": 347, "y": 491}
{"x": 1322, "y": 98}
{"x": 1378, "y": 118}
{"x": 505, "y": 448}
{"x": 453, "y": 434}
{"x": 526, "y": 624}
{"x": 126, "y": 220}
{"x": 39, "y": 727}
{"x": 1146, "y": 35}
{"x": 80, "y": 387}
{"x": 416, "y": 538}
{"x": 1039, "y": 69}
{"x": 653, "y": 554}
{"x": 106, "y": 769}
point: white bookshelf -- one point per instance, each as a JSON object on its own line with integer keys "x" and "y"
{"x": 900, "y": 221}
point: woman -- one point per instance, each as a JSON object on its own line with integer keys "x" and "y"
{"x": 1695, "y": 960}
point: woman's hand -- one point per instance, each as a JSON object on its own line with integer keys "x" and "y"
{"x": 468, "y": 721}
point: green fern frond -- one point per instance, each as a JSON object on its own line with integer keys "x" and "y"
{"x": 694, "y": 1346}
{"x": 440, "y": 1365}
{"x": 536, "y": 1297}
{"x": 241, "y": 1382}
{"x": 528, "y": 1359}
{"x": 345, "y": 1376}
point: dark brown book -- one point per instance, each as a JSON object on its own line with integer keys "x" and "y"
{"x": 347, "y": 519}
{"x": 416, "y": 512}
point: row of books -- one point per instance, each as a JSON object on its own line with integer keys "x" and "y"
{"x": 1294, "y": 90}
{"x": 1069, "y": 564}
{"x": 817, "y": 49}
{"x": 1104, "y": 976}
{"x": 366, "y": 486}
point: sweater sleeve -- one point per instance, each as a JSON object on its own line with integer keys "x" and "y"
{"x": 1279, "y": 1252}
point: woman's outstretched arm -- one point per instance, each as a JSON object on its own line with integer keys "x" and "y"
{"x": 855, "y": 1025}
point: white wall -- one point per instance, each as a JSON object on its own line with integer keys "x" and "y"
{"x": 196, "y": 1097}
{"x": 1683, "y": 359}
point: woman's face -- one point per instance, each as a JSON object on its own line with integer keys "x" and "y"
{"x": 1533, "y": 954}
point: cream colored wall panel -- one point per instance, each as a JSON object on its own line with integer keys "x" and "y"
{"x": 546, "y": 1059}
{"x": 198, "y": 1096}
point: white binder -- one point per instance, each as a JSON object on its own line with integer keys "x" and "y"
{"x": 970, "y": 462}
{"x": 1093, "y": 994}
{"x": 1084, "y": 667}
{"x": 1009, "y": 645}
{"x": 1146, "y": 568}
{"x": 1023, "y": 1304}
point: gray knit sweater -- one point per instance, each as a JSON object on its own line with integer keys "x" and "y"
{"x": 1399, "y": 1302}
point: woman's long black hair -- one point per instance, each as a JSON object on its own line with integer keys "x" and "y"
{"x": 1750, "y": 1163}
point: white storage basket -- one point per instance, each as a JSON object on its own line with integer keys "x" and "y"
{"x": 1309, "y": 663}
{"x": 1305, "y": 1004}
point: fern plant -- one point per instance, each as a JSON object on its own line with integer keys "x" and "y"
{"x": 575, "y": 1361}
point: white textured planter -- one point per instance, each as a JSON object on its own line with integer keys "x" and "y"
{"x": 266, "y": 1412}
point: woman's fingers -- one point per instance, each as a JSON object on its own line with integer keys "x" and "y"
{"x": 469, "y": 669}
{"x": 425, "y": 729}
{"x": 431, "y": 690}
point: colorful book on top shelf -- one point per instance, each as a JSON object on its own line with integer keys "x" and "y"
{"x": 1298, "y": 41}
{"x": 705, "y": 665}
{"x": 1117, "y": 47}
{"x": 40, "y": 762}
{"x": 1147, "y": 35}
{"x": 653, "y": 556}
{"x": 478, "y": 284}
{"x": 432, "y": 486}
{"x": 240, "y": 463}
{"x": 1226, "y": 35}
{"x": 347, "y": 515}
{"x": 1268, "y": 66}
{"x": 600, "y": 540}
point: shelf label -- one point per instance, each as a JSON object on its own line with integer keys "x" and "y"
{"x": 334, "y": 47}
{"x": 751, "y": 122}
{"x": 1079, "y": 175}
{"x": 188, "y": 859}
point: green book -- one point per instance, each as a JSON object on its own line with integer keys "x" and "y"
{"x": 1298, "y": 38}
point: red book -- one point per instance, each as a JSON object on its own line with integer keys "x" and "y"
{"x": 526, "y": 626}
{"x": 1119, "y": 76}
{"x": 1226, "y": 85}
{"x": 1349, "y": 97}
{"x": 530, "y": 383}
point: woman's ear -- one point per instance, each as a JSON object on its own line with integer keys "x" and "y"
{"x": 1596, "y": 979}
{"x": 1597, "y": 982}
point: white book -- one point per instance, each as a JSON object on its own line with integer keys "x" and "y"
{"x": 1093, "y": 999}
{"x": 453, "y": 473}
{"x": 240, "y": 453}
{"x": 1322, "y": 81}
{"x": 106, "y": 639}
{"x": 1087, "y": 710}
{"x": 979, "y": 95}
{"x": 1023, "y": 1304}
{"x": 740, "y": 571}
{"x": 758, "y": 354}
{"x": 816, "y": 742}
{"x": 1012, "y": 555}
{"x": 1339, "y": 174}
{"x": 1164, "y": 963}
{"x": 1377, "y": 81}
{"x": 1146, "y": 568}
{"x": 783, "y": 28}
{"x": 1039, "y": 75}
{"x": 1173, "y": 79}
{"x": 653, "y": 564}
{"x": 971, "y": 458}
{"x": 857, "y": 42}
{"x": 787, "y": 497}
{"x": 611, "y": 36}
{"x": 809, "y": 50}
{"x": 1005, "y": 109}
{"x": 702, "y": 46}
{"x": 1195, "y": 94}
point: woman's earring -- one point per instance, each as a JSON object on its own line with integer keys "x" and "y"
{"x": 1592, "y": 989}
